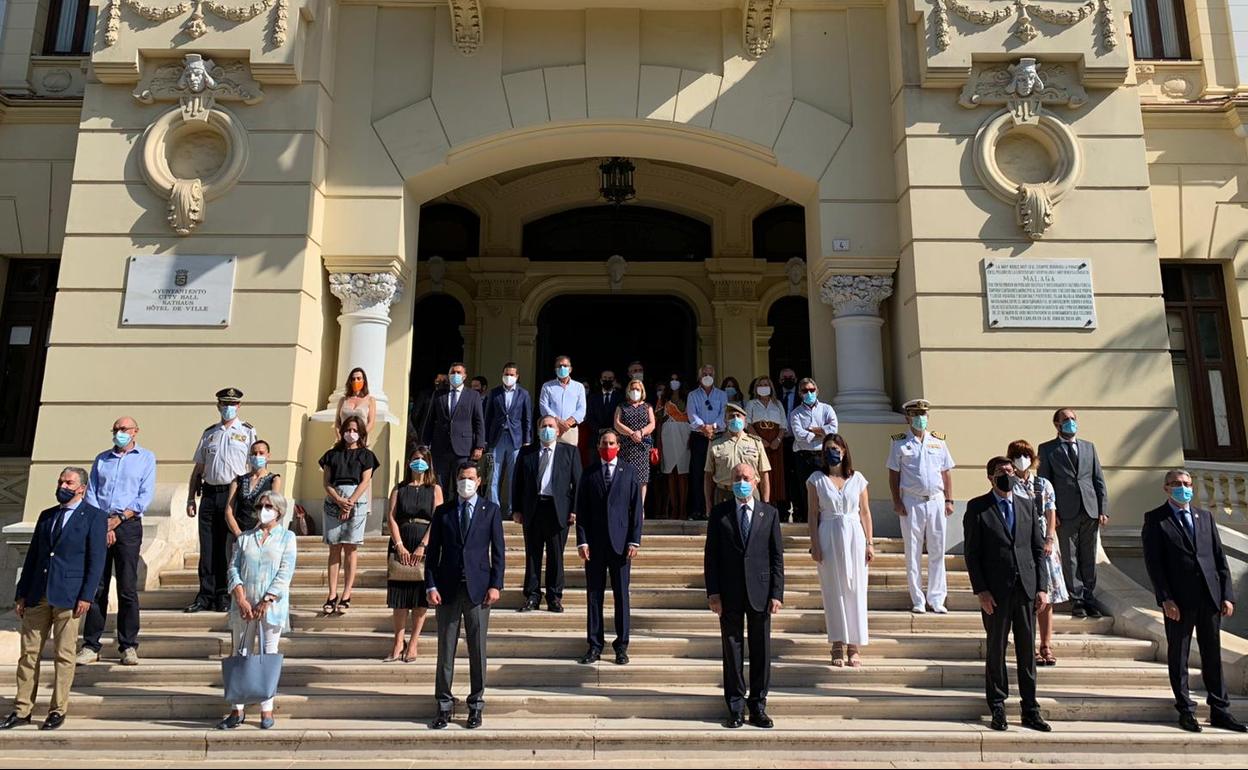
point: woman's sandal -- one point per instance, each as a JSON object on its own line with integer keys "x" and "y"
{"x": 838, "y": 654}
{"x": 1049, "y": 658}
{"x": 344, "y": 604}
{"x": 852, "y": 659}
{"x": 330, "y": 605}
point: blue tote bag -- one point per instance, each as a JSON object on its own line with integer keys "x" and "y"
{"x": 251, "y": 678}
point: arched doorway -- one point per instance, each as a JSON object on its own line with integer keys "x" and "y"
{"x": 789, "y": 346}
{"x": 437, "y": 342}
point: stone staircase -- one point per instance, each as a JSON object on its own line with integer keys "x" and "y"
{"x": 918, "y": 697}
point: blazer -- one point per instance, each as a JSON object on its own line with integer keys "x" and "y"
{"x": 66, "y": 571}
{"x": 517, "y": 421}
{"x": 599, "y": 415}
{"x": 458, "y": 433}
{"x": 1076, "y": 489}
{"x": 997, "y": 559}
{"x": 608, "y": 519}
{"x": 1183, "y": 571}
{"x": 744, "y": 574}
{"x": 565, "y": 479}
{"x": 478, "y": 559}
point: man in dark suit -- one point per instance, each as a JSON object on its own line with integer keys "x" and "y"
{"x": 744, "y": 570}
{"x": 608, "y": 534}
{"x": 1187, "y": 566}
{"x": 1073, "y": 468}
{"x": 455, "y": 431}
{"x": 508, "y": 427}
{"x": 543, "y": 501}
{"x": 600, "y": 405}
{"x": 418, "y": 412}
{"x": 1004, "y": 547}
{"x": 463, "y": 578}
{"x": 58, "y": 584}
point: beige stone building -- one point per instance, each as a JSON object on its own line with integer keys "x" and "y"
{"x": 826, "y": 184}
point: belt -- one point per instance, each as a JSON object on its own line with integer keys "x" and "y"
{"x": 546, "y": 498}
{"x": 923, "y": 498}
{"x": 214, "y": 487}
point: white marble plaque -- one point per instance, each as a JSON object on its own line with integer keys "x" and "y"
{"x": 1040, "y": 293}
{"x": 178, "y": 290}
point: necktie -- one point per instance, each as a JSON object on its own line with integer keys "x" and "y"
{"x": 542, "y": 465}
{"x": 454, "y": 400}
{"x": 745, "y": 522}
{"x": 606, "y": 474}
{"x": 1072, "y": 453}
{"x": 464, "y": 518}
{"x": 1185, "y": 516}
{"x": 58, "y": 525}
{"x": 1007, "y": 512}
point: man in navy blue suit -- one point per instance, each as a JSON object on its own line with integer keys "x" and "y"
{"x": 608, "y": 534}
{"x": 58, "y": 583}
{"x": 508, "y": 427}
{"x": 463, "y": 578}
{"x": 455, "y": 431}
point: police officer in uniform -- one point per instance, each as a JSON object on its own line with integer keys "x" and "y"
{"x": 728, "y": 451}
{"x": 918, "y": 476}
{"x": 220, "y": 458}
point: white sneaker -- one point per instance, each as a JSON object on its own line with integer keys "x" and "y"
{"x": 130, "y": 657}
{"x": 940, "y": 610}
{"x": 918, "y": 609}
{"x": 87, "y": 655}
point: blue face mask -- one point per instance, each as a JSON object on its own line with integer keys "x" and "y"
{"x": 121, "y": 439}
{"x": 731, "y": 391}
{"x": 919, "y": 422}
{"x": 546, "y": 434}
{"x": 562, "y": 371}
{"x": 810, "y": 398}
{"x": 1181, "y": 495}
{"x": 742, "y": 489}
{"x": 259, "y": 461}
{"x": 736, "y": 425}
{"x": 457, "y": 380}
{"x": 833, "y": 457}
{"x": 1070, "y": 427}
{"x": 228, "y": 412}
{"x": 419, "y": 466}
{"x": 64, "y": 495}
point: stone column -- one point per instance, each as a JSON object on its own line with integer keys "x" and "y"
{"x": 855, "y": 302}
{"x": 363, "y": 326}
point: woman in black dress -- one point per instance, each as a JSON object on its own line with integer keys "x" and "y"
{"x": 411, "y": 508}
{"x": 245, "y": 490}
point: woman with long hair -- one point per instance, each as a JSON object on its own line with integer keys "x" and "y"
{"x": 356, "y": 402}
{"x": 348, "y": 468}
{"x": 674, "y": 449}
{"x": 408, "y": 516}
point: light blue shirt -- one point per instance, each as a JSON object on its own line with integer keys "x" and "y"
{"x": 472, "y": 502}
{"x": 706, "y": 409}
{"x": 509, "y": 395}
{"x": 563, "y": 402}
{"x": 804, "y": 418}
{"x": 122, "y": 481}
{"x": 264, "y": 568}
{"x": 67, "y": 512}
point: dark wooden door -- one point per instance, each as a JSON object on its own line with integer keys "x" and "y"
{"x": 25, "y": 322}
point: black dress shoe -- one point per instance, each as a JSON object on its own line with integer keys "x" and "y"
{"x": 1188, "y": 722}
{"x": 1079, "y": 611}
{"x": 441, "y": 720}
{"x": 555, "y": 606}
{"x": 592, "y": 656}
{"x": 13, "y": 720}
{"x": 196, "y": 606}
{"x": 621, "y": 658}
{"x": 221, "y": 605}
{"x": 998, "y": 720}
{"x": 474, "y": 718}
{"x": 1037, "y": 723}
{"x": 528, "y": 607}
{"x": 733, "y": 721}
{"x": 1093, "y": 611}
{"x": 1224, "y": 721}
{"x": 55, "y": 719}
{"x": 759, "y": 718}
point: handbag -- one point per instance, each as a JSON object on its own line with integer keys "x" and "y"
{"x": 655, "y": 456}
{"x": 251, "y": 678}
{"x": 300, "y": 524}
{"x": 408, "y": 573}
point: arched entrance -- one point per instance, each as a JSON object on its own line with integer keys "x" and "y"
{"x": 789, "y": 346}
{"x": 437, "y": 340}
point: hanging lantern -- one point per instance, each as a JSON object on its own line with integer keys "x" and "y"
{"x": 617, "y": 180}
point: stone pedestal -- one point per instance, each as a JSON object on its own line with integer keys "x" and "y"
{"x": 855, "y": 302}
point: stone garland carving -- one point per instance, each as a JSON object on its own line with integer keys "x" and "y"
{"x": 1024, "y": 30}
{"x": 195, "y": 26}
{"x": 758, "y": 20}
{"x": 1109, "y": 26}
{"x": 1024, "y": 87}
{"x": 856, "y": 294}
{"x": 198, "y": 84}
{"x": 365, "y": 291}
{"x": 467, "y": 22}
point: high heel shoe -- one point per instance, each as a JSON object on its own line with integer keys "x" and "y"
{"x": 331, "y": 605}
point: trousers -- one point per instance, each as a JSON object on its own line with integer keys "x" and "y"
{"x": 924, "y": 522}
{"x": 37, "y": 623}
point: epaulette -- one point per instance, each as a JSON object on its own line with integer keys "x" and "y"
{"x": 898, "y": 436}
{"x": 940, "y": 436}
{"x": 251, "y": 427}
{"x": 211, "y": 428}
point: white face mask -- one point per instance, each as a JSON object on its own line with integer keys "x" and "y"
{"x": 467, "y": 488}
{"x": 1022, "y": 463}
{"x": 509, "y": 380}
{"x": 268, "y": 514}
{"x": 675, "y": 384}
{"x": 634, "y": 395}
{"x": 351, "y": 437}
{"x": 708, "y": 381}
{"x": 764, "y": 390}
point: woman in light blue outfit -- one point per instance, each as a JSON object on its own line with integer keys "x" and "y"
{"x": 259, "y": 585}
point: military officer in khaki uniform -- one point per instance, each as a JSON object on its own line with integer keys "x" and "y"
{"x": 729, "y": 450}
{"x": 220, "y": 457}
{"x": 918, "y": 476}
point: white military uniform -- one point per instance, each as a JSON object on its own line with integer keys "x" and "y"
{"x": 921, "y": 461}
{"x": 223, "y": 450}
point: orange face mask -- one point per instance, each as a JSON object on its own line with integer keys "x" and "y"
{"x": 357, "y": 386}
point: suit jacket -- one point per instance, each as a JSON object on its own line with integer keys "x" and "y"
{"x": 565, "y": 479}
{"x": 418, "y": 417}
{"x": 1183, "y": 571}
{"x": 599, "y": 415}
{"x": 457, "y": 433}
{"x": 68, "y": 570}
{"x": 1076, "y": 489}
{"x": 997, "y": 559}
{"x": 478, "y": 558}
{"x": 744, "y": 574}
{"x": 608, "y": 519}
{"x": 517, "y": 421}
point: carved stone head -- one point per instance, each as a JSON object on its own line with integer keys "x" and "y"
{"x": 616, "y": 267}
{"x": 197, "y": 77}
{"x": 1026, "y": 78}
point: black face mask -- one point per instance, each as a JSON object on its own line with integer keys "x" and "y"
{"x": 1003, "y": 483}
{"x": 608, "y": 384}
{"x": 787, "y": 383}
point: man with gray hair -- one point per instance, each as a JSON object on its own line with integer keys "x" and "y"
{"x": 58, "y": 583}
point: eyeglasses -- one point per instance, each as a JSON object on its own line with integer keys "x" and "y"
{"x": 809, "y": 390}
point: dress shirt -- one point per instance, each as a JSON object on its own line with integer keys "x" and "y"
{"x": 804, "y": 418}
{"x": 223, "y": 450}
{"x": 544, "y": 482}
{"x": 1005, "y": 506}
{"x": 122, "y": 481}
{"x": 67, "y": 511}
{"x": 749, "y": 512}
{"x": 790, "y": 399}
{"x": 509, "y": 395}
{"x": 473, "y": 502}
{"x": 456, "y": 395}
{"x": 707, "y": 408}
{"x": 613, "y": 468}
{"x": 563, "y": 401}
{"x": 921, "y": 461}
{"x": 1184, "y": 516}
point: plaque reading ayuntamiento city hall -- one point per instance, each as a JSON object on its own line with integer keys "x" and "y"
{"x": 178, "y": 290}
{"x": 1050, "y": 293}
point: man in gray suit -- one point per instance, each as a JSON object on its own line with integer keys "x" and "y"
{"x": 1073, "y": 468}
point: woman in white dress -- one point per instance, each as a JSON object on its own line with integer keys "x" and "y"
{"x": 356, "y": 402}
{"x": 840, "y": 543}
{"x": 674, "y": 449}
{"x": 1040, "y": 492}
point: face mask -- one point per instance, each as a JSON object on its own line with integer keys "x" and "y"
{"x": 811, "y": 398}
{"x": 607, "y": 384}
{"x": 546, "y": 434}
{"x": 675, "y": 384}
{"x": 736, "y": 425}
{"x": 356, "y": 387}
{"x": 228, "y": 412}
{"x": 64, "y": 495}
{"x": 708, "y": 381}
{"x": 764, "y": 390}
{"x": 121, "y": 439}
{"x": 731, "y": 391}
{"x": 742, "y": 490}
{"x": 787, "y": 382}
{"x": 1070, "y": 427}
{"x": 259, "y": 461}
{"x": 833, "y": 456}
{"x": 919, "y": 422}
{"x": 418, "y": 466}
{"x": 634, "y": 395}
{"x": 456, "y": 380}
{"x": 509, "y": 380}
{"x": 608, "y": 453}
{"x": 351, "y": 437}
{"x": 562, "y": 371}
{"x": 637, "y": 376}
{"x": 268, "y": 514}
{"x": 1180, "y": 494}
{"x": 1003, "y": 483}
{"x": 1022, "y": 463}
{"x": 467, "y": 488}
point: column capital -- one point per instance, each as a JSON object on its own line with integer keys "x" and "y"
{"x": 366, "y": 291}
{"x": 851, "y": 295}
